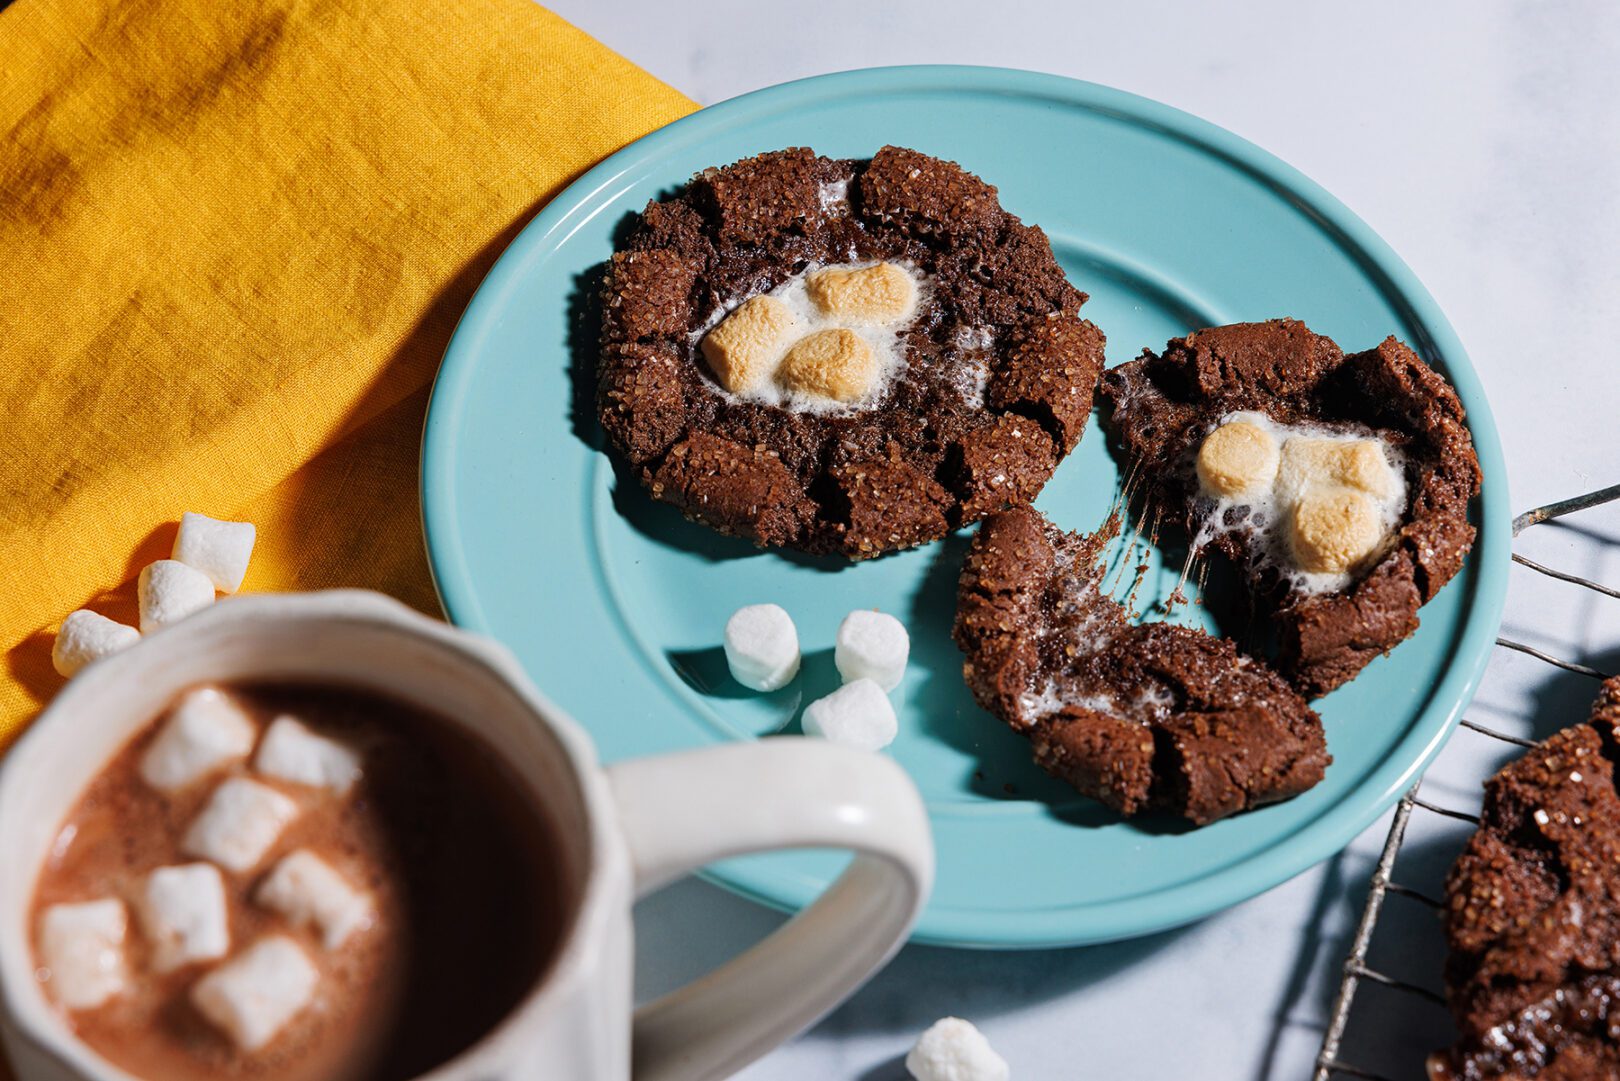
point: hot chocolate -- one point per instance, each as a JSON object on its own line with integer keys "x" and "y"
{"x": 297, "y": 881}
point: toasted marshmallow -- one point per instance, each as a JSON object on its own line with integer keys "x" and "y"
{"x": 743, "y": 349}
{"x": 762, "y": 647}
{"x": 1236, "y": 458}
{"x": 883, "y": 293}
{"x": 291, "y": 752}
{"x": 953, "y": 1050}
{"x": 307, "y": 890}
{"x": 169, "y": 591}
{"x": 86, "y": 636}
{"x": 81, "y": 948}
{"x": 255, "y": 994}
{"x": 1334, "y": 529}
{"x": 220, "y": 550}
{"x": 872, "y": 645}
{"x": 183, "y": 915}
{"x": 242, "y": 820}
{"x": 838, "y": 365}
{"x": 1349, "y": 463}
{"x": 206, "y": 732}
{"x": 858, "y": 714}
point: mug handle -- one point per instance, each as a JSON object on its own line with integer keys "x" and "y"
{"x": 682, "y": 811}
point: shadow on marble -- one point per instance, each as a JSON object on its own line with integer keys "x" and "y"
{"x": 689, "y": 928}
{"x": 1391, "y": 1032}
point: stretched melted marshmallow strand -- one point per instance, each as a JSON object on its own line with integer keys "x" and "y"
{"x": 291, "y": 752}
{"x": 81, "y": 948}
{"x": 86, "y": 636}
{"x": 184, "y": 916}
{"x": 255, "y": 994}
{"x": 241, "y": 821}
{"x": 307, "y": 890}
{"x": 220, "y": 550}
{"x": 206, "y": 732}
{"x": 169, "y": 591}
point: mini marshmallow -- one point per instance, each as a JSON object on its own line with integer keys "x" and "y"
{"x": 883, "y": 293}
{"x": 1235, "y": 458}
{"x": 82, "y": 948}
{"x": 170, "y": 591}
{"x": 255, "y": 994}
{"x": 743, "y": 348}
{"x": 872, "y": 645}
{"x": 206, "y": 732}
{"x": 837, "y": 365}
{"x": 858, "y": 714}
{"x": 183, "y": 915}
{"x": 291, "y": 752}
{"x": 762, "y": 647}
{"x": 87, "y": 636}
{"x": 220, "y": 550}
{"x": 1334, "y": 529}
{"x": 242, "y": 820}
{"x": 953, "y": 1050}
{"x": 306, "y": 889}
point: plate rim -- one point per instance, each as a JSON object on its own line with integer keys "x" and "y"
{"x": 1318, "y": 839}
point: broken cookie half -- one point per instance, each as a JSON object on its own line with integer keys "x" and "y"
{"x": 1140, "y": 716}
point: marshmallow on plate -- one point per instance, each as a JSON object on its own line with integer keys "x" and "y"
{"x": 306, "y": 889}
{"x": 206, "y": 732}
{"x": 242, "y": 820}
{"x": 872, "y": 645}
{"x": 291, "y": 752}
{"x": 953, "y": 1050}
{"x": 88, "y": 636}
{"x": 252, "y": 996}
{"x": 183, "y": 915}
{"x": 219, "y": 549}
{"x": 169, "y": 591}
{"x": 82, "y": 948}
{"x": 858, "y": 714}
{"x": 762, "y": 647}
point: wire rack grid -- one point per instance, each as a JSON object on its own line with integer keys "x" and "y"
{"x": 1330, "y": 1062}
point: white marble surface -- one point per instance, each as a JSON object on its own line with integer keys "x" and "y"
{"x": 1482, "y": 139}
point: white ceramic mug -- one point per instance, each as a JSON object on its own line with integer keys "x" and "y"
{"x": 625, "y": 830}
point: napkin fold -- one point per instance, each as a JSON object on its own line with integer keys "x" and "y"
{"x": 235, "y": 237}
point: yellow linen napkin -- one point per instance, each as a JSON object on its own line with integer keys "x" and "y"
{"x": 234, "y": 238}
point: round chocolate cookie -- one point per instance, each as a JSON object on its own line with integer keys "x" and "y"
{"x": 1138, "y": 716}
{"x": 1533, "y": 916}
{"x": 842, "y": 356}
{"x": 1338, "y": 485}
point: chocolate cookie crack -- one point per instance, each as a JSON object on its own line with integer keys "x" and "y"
{"x": 1141, "y": 717}
{"x": 1533, "y": 914}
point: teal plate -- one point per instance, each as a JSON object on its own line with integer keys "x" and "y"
{"x": 615, "y": 604}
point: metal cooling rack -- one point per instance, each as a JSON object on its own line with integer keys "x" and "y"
{"x": 1329, "y": 1064}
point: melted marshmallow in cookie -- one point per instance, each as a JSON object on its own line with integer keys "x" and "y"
{"x": 827, "y": 340}
{"x": 1318, "y": 504}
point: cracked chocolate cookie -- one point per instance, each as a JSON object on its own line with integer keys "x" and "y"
{"x": 1338, "y": 485}
{"x": 842, "y": 356}
{"x": 1148, "y": 716}
{"x": 1532, "y": 916}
